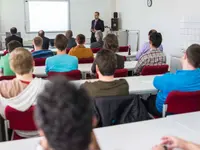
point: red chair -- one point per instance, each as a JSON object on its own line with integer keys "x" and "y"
{"x": 40, "y": 61}
{"x": 72, "y": 75}
{"x": 85, "y": 60}
{"x": 5, "y": 52}
{"x": 123, "y": 49}
{"x": 17, "y": 120}
{"x": 7, "y": 77}
{"x": 95, "y": 50}
{"x": 181, "y": 102}
{"x": 125, "y": 59}
{"x": 119, "y": 73}
{"x": 67, "y": 50}
{"x": 154, "y": 70}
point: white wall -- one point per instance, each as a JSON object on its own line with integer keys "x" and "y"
{"x": 12, "y": 14}
{"x": 164, "y": 15}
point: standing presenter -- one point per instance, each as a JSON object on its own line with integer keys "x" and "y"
{"x": 97, "y": 24}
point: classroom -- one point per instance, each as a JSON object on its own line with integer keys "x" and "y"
{"x": 99, "y": 74}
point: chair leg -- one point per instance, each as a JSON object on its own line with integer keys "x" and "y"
{"x": 6, "y": 130}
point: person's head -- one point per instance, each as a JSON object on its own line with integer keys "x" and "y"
{"x": 80, "y": 39}
{"x": 106, "y": 63}
{"x": 69, "y": 34}
{"x": 61, "y": 42}
{"x": 64, "y": 117}
{"x": 41, "y": 33}
{"x": 96, "y": 15}
{"x": 155, "y": 40}
{"x": 151, "y": 31}
{"x": 13, "y": 30}
{"x": 38, "y": 42}
{"x": 13, "y": 45}
{"x": 111, "y": 42}
{"x": 99, "y": 35}
{"x": 190, "y": 60}
{"x": 21, "y": 61}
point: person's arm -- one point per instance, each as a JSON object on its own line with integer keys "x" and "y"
{"x": 162, "y": 82}
{"x": 102, "y": 27}
{"x": 140, "y": 64}
{"x": 92, "y": 28}
{"x": 140, "y": 51}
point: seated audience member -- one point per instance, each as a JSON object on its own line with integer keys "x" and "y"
{"x": 80, "y": 51}
{"x": 13, "y": 37}
{"x": 176, "y": 143}
{"x": 106, "y": 86}
{"x": 61, "y": 62}
{"x": 99, "y": 38}
{"x": 64, "y": 117}
{"x": 154, "y": 56}
{"x": 21, "y": 93}
{"x": 186, "y": 80}
{"x": 4, "y": 63}
{"x": 39, "y": 52}
{"x": 146, "y": 47}
{"x": 46, "y": 40}
{"x": 71, "y": 40}
{"x": 111, "y": 43}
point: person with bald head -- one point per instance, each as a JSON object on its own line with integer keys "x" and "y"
{"x": 71, "y": 40}
{"x": 146, "y": 47}
{"x": 46, "y": 40}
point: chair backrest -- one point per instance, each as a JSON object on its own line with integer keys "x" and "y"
{"x": 125, "y": 59}
{"x": 121, "y": 73}
{"x": 86, "y": 60}
{"x": 95, "y": 50}
{"x": 5, "y": 52}
{"x": 7, "y": 77}
{"x": 40, "y": 61}
{"x": 123, "y": 49}
{"x": 67, "y": 50}
{"x": 72, "y": 75}
{"x": 21, "y": 120}
{"x": 183, "y": 102}
{"x": 154, "y": 70}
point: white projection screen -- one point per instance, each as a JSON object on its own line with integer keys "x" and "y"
{"x": 47, "y": 15}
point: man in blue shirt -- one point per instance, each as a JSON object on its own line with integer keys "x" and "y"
{"x": 39, "y": 52}
{"x": 61, "y": 62}
{"x": 186, "y": 80}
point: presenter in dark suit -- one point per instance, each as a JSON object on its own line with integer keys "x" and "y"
{"x": 97, "y": 24}
{"x": 13, "y": 37}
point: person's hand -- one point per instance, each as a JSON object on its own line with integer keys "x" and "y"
{"x": 173, "y": 142}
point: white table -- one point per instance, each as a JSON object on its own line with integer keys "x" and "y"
{"x": 137, "y": 84}
{"x": 84, "y": 68}
{"x": 190, "y": 121}
{"x": 142, "y": 135}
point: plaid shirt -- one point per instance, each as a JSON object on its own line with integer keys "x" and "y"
{"x": 151, "y": 58}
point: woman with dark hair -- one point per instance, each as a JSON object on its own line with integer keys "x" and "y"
{"x": 111, "y": 43}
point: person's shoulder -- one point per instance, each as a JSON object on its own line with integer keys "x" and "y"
{"x": 122, "y": 81}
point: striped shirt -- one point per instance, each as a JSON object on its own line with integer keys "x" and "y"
{"x": 151, "y": 58}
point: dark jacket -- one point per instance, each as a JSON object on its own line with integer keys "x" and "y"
{"x": 13, "y": 38}
{"x": 42, "y": 54}
{"x": 120, "y": 63}
{"x": 119, "y": 110}
{"x": 99, "y": 25}
{"x": 71, "y": 43}
{"x": 100, "y": 88}
{"x": 46, "y": 43}
{"x": 98, "y": 44}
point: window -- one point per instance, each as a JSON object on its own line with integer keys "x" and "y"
{"x": 47, "y": 15}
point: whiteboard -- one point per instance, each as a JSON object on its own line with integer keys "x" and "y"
{"x": 50, "y": 16}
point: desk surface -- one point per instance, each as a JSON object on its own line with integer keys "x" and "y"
{"x": 141, "y": 135}
{"x": 137, "y": 84}
{"x": 86, "y": 68}
{"x": 190, "y": 121}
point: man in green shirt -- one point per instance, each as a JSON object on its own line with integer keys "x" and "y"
{"x": 4, "y": 62}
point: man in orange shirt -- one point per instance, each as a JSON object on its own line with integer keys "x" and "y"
{"x": 80, "y": 51}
